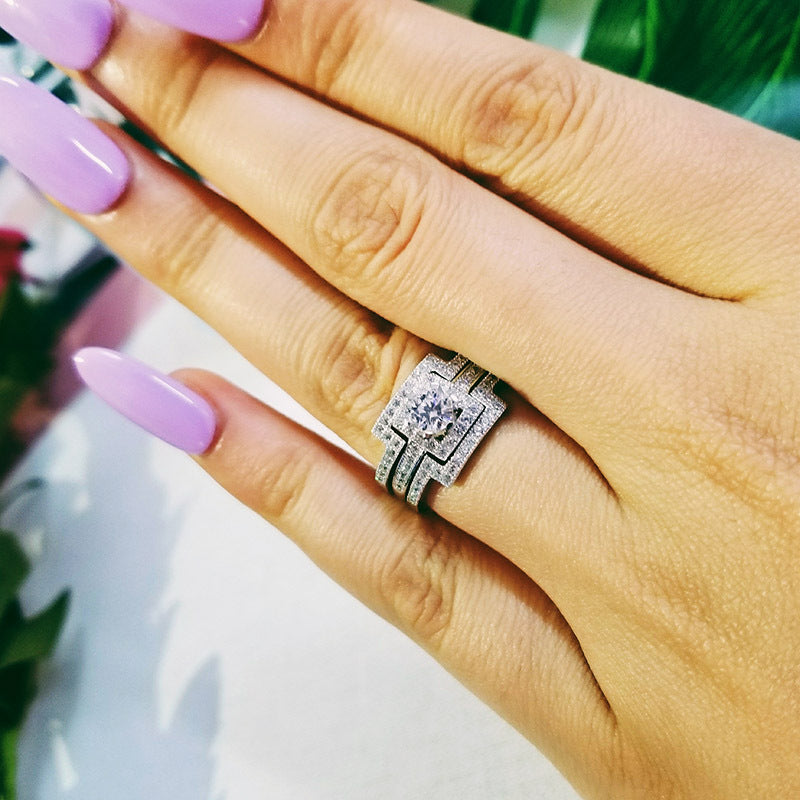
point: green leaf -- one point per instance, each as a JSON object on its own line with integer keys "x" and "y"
{"x": 27, "y": 334}
{"x": 23, "y": 643}
{"x": 514, "y": 16}
{"x": 17, "y": 690}
{"x": 617, "y": 38}
{"x": 35, "y": 638}
{"x": 65, "y": 92}
{"x": 14, "y": 568}
{"x": 8, "y": 764}
{"x": 741, "y": 56}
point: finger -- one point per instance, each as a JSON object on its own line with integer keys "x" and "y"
{"x": 479, "y": 616}
{"x": 404, "y": 235}
{"x": 653, "y": 180}
{"x": 343, "y": 364}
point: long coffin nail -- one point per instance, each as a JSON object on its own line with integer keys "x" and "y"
{"x": 229, "y": 21}
{"x": 72, "y": 33}
{"x": 154, "y": 401}
{"x": 65, "y": 155}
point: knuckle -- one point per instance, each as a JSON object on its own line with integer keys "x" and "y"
{"x": 369, "y": 215}
{"x": 170, "y": 105}
{"x": 339, "y": 28}
{"x": 420, "y": 584}
{"x": 531, "y": 117}
{"x": 359, "y": 368}
{"x": 178, "y": 260}
{"x": 279, "y": 483}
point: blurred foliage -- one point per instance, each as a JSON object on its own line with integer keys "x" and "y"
{"x": 31, "y": 320}
{"x": 32, "y": 316}
{"x": 24, "y": 643}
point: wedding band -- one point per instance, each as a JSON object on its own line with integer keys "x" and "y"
{"x": 433, "y": 424}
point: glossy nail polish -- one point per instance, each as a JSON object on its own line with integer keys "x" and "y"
{"x": 224, "y": 20}
{"x": 155, "y": 402}
{"x": 65, "y": 155}
{"x": 72, "y": 33}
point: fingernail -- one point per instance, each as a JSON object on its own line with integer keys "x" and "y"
{"x": 63, "y": 153}
{"x": 154, "y": 401}
{"x": 72, "y": 33}
{"x": 228, "y": 21}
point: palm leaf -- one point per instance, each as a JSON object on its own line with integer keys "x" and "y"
{"x": 741, "y": 56}
{"x": 513, "y": 16}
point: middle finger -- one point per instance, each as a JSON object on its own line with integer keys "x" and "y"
{"x": 403, "y": 234}
{"x": 343, "y": 363}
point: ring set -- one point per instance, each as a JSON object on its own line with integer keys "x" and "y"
{"x": 433, "y": 424}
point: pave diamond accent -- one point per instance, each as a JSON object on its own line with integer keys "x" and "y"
{"x": 434, "y": 423}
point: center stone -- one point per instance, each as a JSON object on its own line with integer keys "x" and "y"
{"x": 432, "y": 413}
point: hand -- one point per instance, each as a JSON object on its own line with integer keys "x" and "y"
{"x": 617, "y": 570}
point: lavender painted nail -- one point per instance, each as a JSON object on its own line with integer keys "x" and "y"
{"x": 228, "y": 21}
{"x": 65, "y": 155}
{"x": 159, "y": 404}
{"x": 72, "y": 33}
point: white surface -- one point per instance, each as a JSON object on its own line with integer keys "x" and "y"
{"x": 205, "y": 657}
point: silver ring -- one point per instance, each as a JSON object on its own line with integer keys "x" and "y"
{"x": 433, "y": 424}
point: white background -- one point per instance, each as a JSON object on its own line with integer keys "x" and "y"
{"x": 205, "y": 656}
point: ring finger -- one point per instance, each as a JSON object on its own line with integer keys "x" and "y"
{"x": 343, "y": 363}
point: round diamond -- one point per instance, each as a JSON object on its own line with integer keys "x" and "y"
{"x": 432, "y": 413}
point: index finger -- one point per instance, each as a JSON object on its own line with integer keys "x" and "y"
{"x": 642, "y": 175}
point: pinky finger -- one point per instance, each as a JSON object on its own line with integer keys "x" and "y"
{"x": 475, "y": 612}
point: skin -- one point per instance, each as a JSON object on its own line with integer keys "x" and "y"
{"x": 616, "y": 571}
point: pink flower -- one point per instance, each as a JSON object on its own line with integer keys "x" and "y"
{"x": 12, "y": 245}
